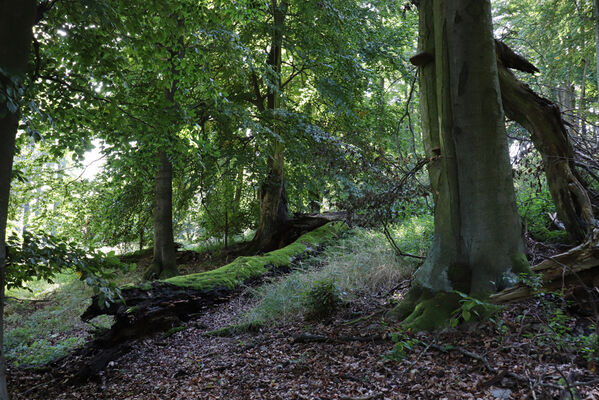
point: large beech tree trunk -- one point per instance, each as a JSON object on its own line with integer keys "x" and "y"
{"x": 542, "y": 118}
{"x": 272, "y": 196}
{"x": 477, "y": 236}
{"x": 477, "y": 229}
{"x": 17, "y": 17}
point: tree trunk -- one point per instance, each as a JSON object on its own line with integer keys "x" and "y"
{"x": 17, "y": 17}
{"x": 542, "y": 119}
{"x": 272, "y": 196}
{"x": 581, "y": 102}
{"x": 477, "y": 237}
{"x": 596, "y": 2}
{"x": 164, "y": 263}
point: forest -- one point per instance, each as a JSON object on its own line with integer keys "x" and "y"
{"x": 299, "y": 199}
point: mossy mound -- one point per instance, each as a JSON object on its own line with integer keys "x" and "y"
{"x": 245, "y": 268}
{"x": 421, "y": 310}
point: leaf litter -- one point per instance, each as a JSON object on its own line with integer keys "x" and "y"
{"x": 473, "y": 361}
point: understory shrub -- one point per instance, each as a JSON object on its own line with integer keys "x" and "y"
{"x": 321, "y": 300}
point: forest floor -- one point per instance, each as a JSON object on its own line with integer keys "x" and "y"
{"x": 290, "y": 361}
{"x": 530, "y": 350}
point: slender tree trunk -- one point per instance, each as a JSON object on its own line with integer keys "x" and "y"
{"x": 272, "y": 196}
{"x": 581, "y": 102}
{"x": 164, "y": 263}
{"x": 141, "y": 237}
{"x": 17, "y": 17}
{"x": 238, "y": 191}
{"x": 543, "y": 120}
{"x": 477, "y": 238}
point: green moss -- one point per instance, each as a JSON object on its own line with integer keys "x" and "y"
{"x": 520, "y": 264}
{"x": 432, "y": 313}
{"x": 406, "y": 305}
{"x": 174, "y": 330}
{"x": 244, "y": 268}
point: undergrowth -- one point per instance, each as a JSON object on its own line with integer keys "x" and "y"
{"x": 42, "y": 320}
{"x": 360, "y": 263}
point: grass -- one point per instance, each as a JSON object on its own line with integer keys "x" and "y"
{"x": 360, "y": 263}
{"x": 43, "y": 324}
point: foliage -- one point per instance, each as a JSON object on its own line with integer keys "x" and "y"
{"x": 321, "y": 300}
{"x": 402, "y": 345}
{"x": 534, "y": 200}
{"x": 472, "y": 309}
{"x": 533, "y": 281}
{"x": 558, "y": 329}
{"x": 42, "y": 320}
{"x": 44, "y": 256}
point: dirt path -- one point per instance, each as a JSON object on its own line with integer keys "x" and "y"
{"x": 270, "y": 365}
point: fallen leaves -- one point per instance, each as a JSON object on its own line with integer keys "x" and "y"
{"x": 336, "y": 361}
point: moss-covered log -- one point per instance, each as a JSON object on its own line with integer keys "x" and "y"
{"x": 160, "y": 305}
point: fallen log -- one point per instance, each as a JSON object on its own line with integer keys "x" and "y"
{"x": 161, "y": 305}
{"x": 577, "y": 266}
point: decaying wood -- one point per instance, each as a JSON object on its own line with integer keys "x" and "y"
{"x": 542, "y": 118}
{"x": 580, "y": 264}
{"x": 302, "y": 223}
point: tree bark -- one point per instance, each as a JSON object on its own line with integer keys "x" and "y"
{"x": 477, "y": 231}
{"x": 543, "y": 120}
{"x": 274, "y": 210}
{"x": 17, "y": 17}
{"x": 477, "y": 238}
{"x": 581, "y": 102}
{"x": 164, "y": 262}
{"x": 596, "y": 3}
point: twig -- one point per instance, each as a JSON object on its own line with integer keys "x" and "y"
{"x": 416, "y": 360}
{"x": 310, "y": 338}
{"x": 368, "y": 397}
{"x": 395, "y": 247}
{"x": 489, "y": 368}
{"x": 34, "y": 388}
{"x": 364, "y": 318}
{"x": 532, "y": 389}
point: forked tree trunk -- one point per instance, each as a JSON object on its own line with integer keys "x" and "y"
{"x": 17, "y": 17}
{"x": 477, "y": 236}
{"x": 164, "y": 263}
{"x": 477, "y": 229}
{"x": 274, "y": 210}
{"x": 543, "y": 120}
